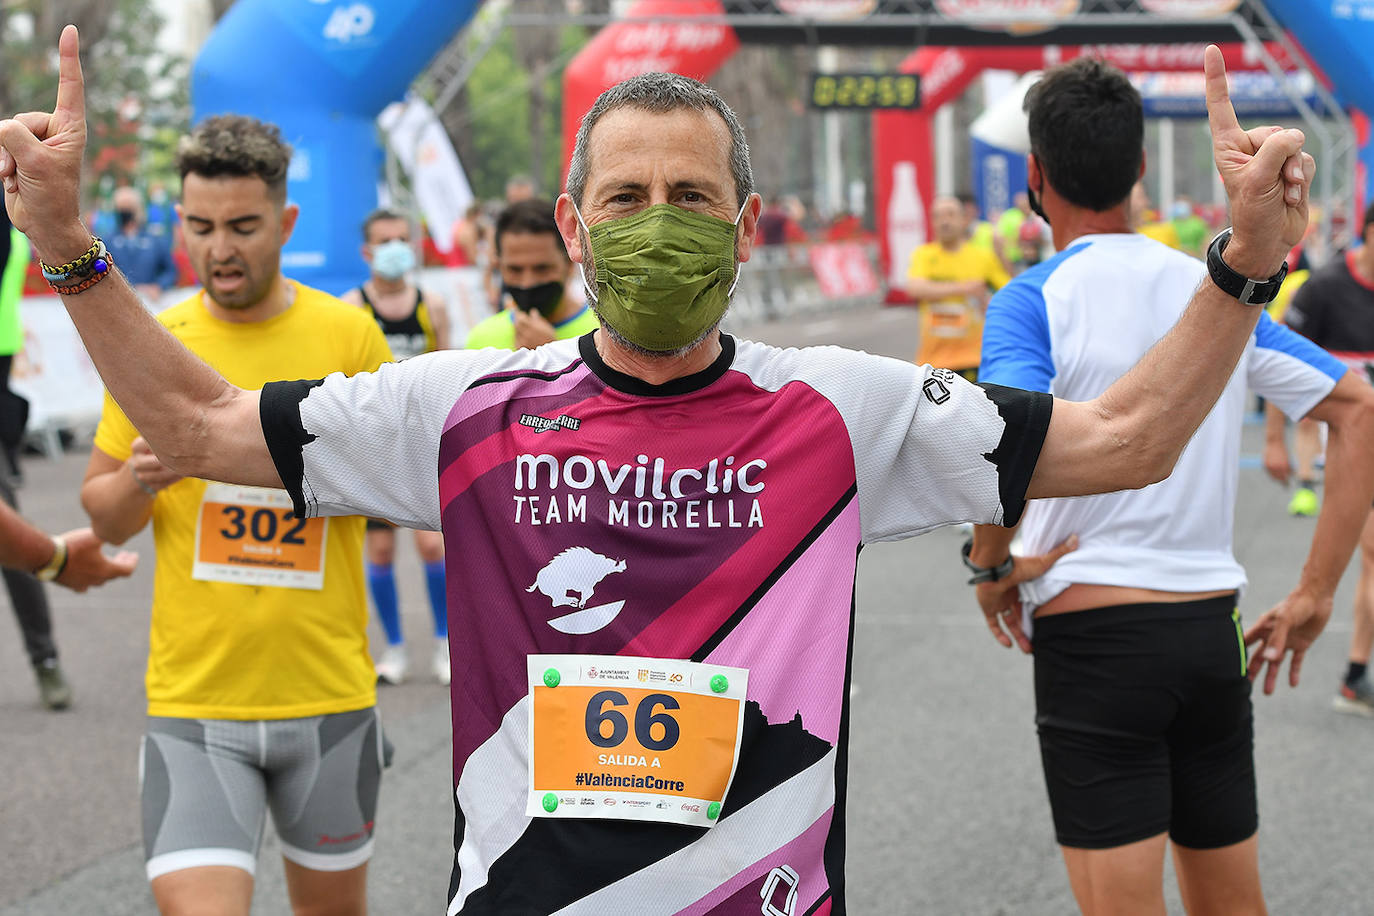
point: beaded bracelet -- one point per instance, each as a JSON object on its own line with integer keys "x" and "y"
{"x": 96, "y": 260}
{"x": 71, "y": 289}
{"x": 87, "y": 275}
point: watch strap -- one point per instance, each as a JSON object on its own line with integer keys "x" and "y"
{"x": 986, "y": 573}
{"x": 1249, "y": 291}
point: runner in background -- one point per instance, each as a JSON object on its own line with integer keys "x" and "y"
{"x": 518, "y": 188}
{"x": 1030, "y": 244}
{"x": 261, "y": 691}
{"x": 1145, "y": 219}
{"x": 1009, "y": 226}
{"x": 979, "y": 232}
{"x": 1335, "y": 309}
{"x": 144, "y": 256}
{"x": 414, "y": 321}
{"x": 535, "y": 270}
{"x": 1190, "y": 228}
{"x": 951, "y": 279}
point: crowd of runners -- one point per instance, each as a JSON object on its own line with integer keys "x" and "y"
{"x": 639, "y": 534}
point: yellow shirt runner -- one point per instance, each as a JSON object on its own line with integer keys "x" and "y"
{"x": 256, "y": 614}
{"x": 952, "y": 329}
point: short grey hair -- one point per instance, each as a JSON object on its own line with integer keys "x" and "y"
{"x": 661, "y": 92}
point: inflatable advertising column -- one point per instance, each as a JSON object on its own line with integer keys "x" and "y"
{"x": 999, "y": 146}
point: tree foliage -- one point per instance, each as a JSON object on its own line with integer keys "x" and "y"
{"x": 136, "y": 95}
{"x": 507, "y": 120}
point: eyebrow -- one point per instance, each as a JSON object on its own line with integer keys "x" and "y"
{"x": 689, "y": 184}
{"x": 236, "y": 221}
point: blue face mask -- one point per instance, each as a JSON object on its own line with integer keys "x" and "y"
{"x": 393, "y": 260}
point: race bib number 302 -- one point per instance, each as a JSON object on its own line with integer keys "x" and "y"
{"x": 249, "y": 536}
{"x": 644, "y": 739}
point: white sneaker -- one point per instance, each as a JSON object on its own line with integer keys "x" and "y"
{"x": 391, "y": 667}
{"x": 442, "y": 669}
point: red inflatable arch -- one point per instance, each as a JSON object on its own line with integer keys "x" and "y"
{"x": 907, "y": 136}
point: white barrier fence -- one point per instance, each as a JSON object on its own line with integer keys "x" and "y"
{"x": 786, "y": 281}
{"x": 64, "y": 391}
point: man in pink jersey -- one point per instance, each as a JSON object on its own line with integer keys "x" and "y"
{"x": 653, "y": 530}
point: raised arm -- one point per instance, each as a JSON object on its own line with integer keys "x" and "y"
{"x": 197, "y": 423}
{"x": 1132, "y": 434}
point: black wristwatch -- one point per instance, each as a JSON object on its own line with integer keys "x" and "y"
{"x": 1248, "y": 291}
{"x": 986, "y": 573}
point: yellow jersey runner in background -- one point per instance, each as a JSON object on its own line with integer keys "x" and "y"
{"x": 236, "y": 641}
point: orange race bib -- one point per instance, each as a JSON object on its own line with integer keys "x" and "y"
{"x": 950, "y": 319}
{"x": 249, "y": 536}
{"x": 644, "y": 739}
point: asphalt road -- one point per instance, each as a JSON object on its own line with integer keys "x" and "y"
{"x": 946, "y": 815}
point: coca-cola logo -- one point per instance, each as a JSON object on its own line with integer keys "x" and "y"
{"x": 947, "y": 67}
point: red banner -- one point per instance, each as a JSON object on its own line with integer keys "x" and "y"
{"x": 842, "y": 270}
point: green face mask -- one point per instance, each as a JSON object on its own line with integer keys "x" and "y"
{"x": 664, "y": 275}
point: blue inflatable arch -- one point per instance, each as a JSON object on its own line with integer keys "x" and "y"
{"x": 323, "y": 70}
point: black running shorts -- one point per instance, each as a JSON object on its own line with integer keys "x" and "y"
{"x": 1145, "y": 724}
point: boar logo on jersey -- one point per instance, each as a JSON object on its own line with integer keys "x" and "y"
{"x": 571, "y": 579}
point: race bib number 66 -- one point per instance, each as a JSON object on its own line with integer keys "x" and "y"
{"x": 249, "y": 536}
{"x": 646, "y": 739}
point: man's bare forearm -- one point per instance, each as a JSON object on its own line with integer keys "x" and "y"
{"x": 922, "y": 289}
{"x": 22, "y": 545}
{"x": 1349, "y": 488}
{"x": 117, "y": 507}
{"x": 991, "y": 545}
{"x": 1275, "y": 425}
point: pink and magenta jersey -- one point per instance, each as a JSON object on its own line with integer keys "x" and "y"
{"x": 718, "y": 517}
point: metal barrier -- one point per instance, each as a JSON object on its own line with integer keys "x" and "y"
{"x": 786, "y": 281}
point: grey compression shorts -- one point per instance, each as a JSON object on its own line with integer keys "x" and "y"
{"x": 207, "y": 785}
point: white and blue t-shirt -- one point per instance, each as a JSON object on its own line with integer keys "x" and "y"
{"x": 1076, "y": 323}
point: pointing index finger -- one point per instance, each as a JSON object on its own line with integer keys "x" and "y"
{"x": 1220, "y": 115}
{"x": 71, "y": 87}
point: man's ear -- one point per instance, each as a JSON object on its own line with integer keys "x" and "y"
{"x": 749, "y": 227}
{"x": 289, "y": 213}
{"x": 1035, "y": 179}
{"x": 566, "y": 218}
